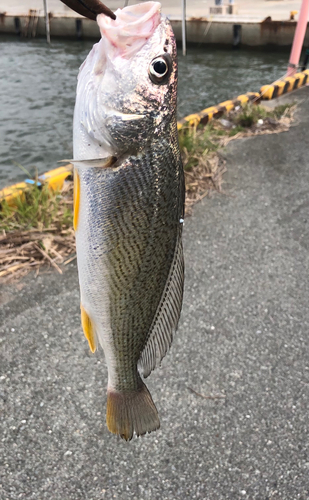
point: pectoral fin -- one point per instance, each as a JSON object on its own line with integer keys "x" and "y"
{"x": 106, "y": 162}
{"x": 89, "y": 330}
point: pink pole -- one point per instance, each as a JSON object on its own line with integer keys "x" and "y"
{"x": 298, "y": 38}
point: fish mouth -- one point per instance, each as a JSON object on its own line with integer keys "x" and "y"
{"x": 133, "y": 26}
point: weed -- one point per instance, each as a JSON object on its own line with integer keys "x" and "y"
{"x": 236, "y": 130}
{"x": 283, "y": 110}
{"x": 250, "y": 115}
{"x": 36, "y": 208}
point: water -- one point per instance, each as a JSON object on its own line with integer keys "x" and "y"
{"x": 37, "y": 94}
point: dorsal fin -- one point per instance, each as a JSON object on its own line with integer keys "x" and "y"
{"x": 166, "y": 319}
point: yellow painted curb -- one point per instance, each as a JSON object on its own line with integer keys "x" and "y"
{"x": 9, "y": 194}
{"x": 54, "y": 179}
{"x": 208, "y": 114}
{"x": 285, "y": 85}
{"x": 266, "y": 92}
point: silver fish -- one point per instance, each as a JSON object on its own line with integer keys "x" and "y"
{"x": 129, "y": 206}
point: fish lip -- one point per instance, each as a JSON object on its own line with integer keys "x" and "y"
{"x": 134, "y": 25}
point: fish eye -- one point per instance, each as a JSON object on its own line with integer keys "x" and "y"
{"x": 160, "y": 69}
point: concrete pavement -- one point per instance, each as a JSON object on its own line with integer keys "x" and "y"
{"x": 258, "y": 9}
{"x": 243, "y": 335}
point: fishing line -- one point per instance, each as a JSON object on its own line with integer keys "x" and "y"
{"x": 206, "y": 30}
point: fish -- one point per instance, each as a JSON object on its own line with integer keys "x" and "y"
{"x": 129, "y": 206}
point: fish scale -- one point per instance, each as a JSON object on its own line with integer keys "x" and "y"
{"x": 116, "y": 244}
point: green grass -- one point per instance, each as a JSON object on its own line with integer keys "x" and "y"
{"x": 38, "y": 208}
{"x": 250, "y": 114}
{"x": 236, "y": 130}
{"x": 282, "y": 109}
{"x": 196, "y": 140}
{"x": 196, "y": 143}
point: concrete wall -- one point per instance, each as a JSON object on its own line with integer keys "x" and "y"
{"x": 252, "y": 34}
{"x": 59, "y": 27}
{"x": 198, "y": 30}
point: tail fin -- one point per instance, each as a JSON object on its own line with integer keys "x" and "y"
{"x": 131, "y": 411}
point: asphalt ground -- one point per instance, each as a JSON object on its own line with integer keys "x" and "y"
{"x": 243, "y": 340}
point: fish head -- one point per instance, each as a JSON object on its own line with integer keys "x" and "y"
{"x": 127, "y": 87}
